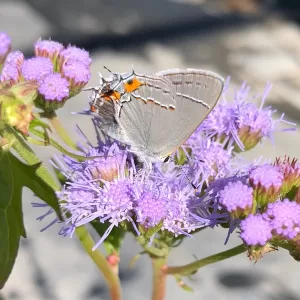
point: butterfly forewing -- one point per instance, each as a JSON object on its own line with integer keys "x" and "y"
{"x": 158, "y": 130}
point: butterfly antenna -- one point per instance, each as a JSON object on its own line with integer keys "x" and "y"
{"x": 106, "y": 68}
{"x": 90, "y": 89}
{"x": 184, "y": 173}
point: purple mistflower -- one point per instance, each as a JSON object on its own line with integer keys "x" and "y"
{"x": 237, "y": 198}
{"x": 75, "y": 54}
{"x": 255, "y": 230}
{"x": 10, "y": 72}
{"x": 81, "y": 199}
{"x": 86, "y": 201}
{"x": 76, "y": 72}
{"x": 15, "y": 58}
{"x": 220, "y": 123}
{"x": 47, "y": 48}
{"x": 37, "y": 68}
{"x": 266, "y": 176}
{"x": 241, "y": 123}
{"x": 210, "y": 160}
{"x": 284, "y": 217}
{"x": 53, "y": 87}
{"x": 206, "y": 160}
{"x": 109, "y": 159}
{"x": 12, "y": 67}
{"x": 266, "y": 181}
{"x": 181, "y": 219}
{"x": 151, "y": 206}
{"x": 5, "y": 46}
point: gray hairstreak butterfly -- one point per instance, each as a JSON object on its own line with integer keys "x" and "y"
{"x": 155, "y": 113}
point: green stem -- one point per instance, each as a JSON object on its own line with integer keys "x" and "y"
{"x": 159, "y": 278}
{"x": 60, "y": 130}
{"x": 192, "y": 267}
{"x": 110, "y": 276}
{"x": 87, "y": 242}
{"x": 56, "y": 145}
{"x": 29, "y": 156}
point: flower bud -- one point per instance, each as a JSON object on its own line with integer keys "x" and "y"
{"x": 16, "y": 113}
{"x": 266, "y": 181}
{"x": 37, "y": 68}
{"x": 72, "y": 53}
{"x": 257, "y": 252}
{"x": 78, "y": 75}
{"x": 237, "y": 199}
{"x": 5, "y": 47}
{"x": 255, "y": 230}
{"x": 49, "y": 49}
{"x": 291, "y": 174}
{"x": 25, "y": 91}
{"x": 53, "y": 92}
{"x": 284, "y": 218}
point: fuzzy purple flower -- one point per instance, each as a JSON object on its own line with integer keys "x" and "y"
{"x": 37, "y": 68}
{"x": 266, "y": 181}
{"x": 10, "y": 73}
{"x": 284, "y": 218}
{"x": 72, "y": 53}
{"x": 109, "y": 160}
{"x": 181, "y": 218}
{"x": 255, "y": 230}
{"x": 77, "y": 73}
{"x": 237, "y": 198}
{"x": 5, "y": 46}
{"x": 209, "y": 159}
{"x": 48, "y": 48}
{"x": 151, "y": 206}
{"x": 241, "y": 123}
{"x": 15, "y": 58}
{"x": 53, "y": 87}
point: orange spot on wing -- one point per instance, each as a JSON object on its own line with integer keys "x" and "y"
{"x": 132, "y": 85}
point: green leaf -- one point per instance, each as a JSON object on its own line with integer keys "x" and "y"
{"x": 14, "y": 175}
{"x": 26, "y": 175}
{"x": 9, "y": 223}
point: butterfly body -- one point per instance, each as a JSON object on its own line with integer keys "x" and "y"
{"x": 156, "y": 113}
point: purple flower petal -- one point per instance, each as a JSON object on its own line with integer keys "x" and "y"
{"x": 37, "y": 68}
{"x": 256, "y": 231}
{"x": 47, "y": 48}
{"x": 5, "y": 45}
{"x": 284, "y": 217}
{"x": 75, "y": 54}
{"x": 236, "y": 196}
{"x": 53, "y": 87}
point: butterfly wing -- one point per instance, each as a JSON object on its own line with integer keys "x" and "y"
{"x": 159, "y": 119}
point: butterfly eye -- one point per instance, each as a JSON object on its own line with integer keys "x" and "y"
{"x": 130, "y": 82}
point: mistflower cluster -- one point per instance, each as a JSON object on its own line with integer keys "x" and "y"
{"x": 256, "y": 203}
{"x": 110, "y": 189}
{"x": 203, "y": 184}
{"x": 241, "y": 123}
{"x": 59, "y": 72}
